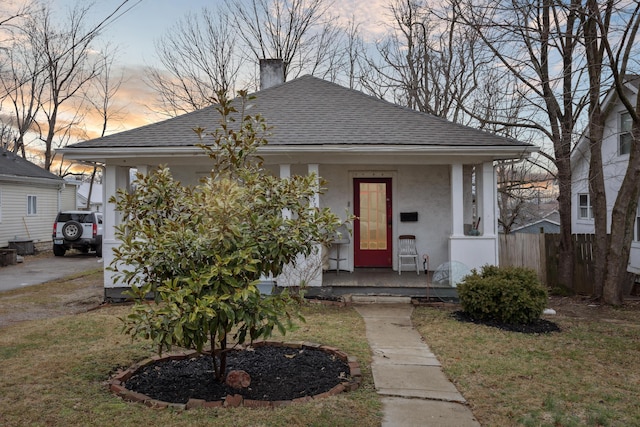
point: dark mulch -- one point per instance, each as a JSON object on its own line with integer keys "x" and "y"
{"x": 277, "y": 373}
{"x": 540, "y": 326}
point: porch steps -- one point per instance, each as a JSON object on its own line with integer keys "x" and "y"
{"x": 379, "y": 299}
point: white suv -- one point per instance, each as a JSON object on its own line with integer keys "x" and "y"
{"x": 78, "y": 230}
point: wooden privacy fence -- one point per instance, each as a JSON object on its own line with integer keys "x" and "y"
{"x": 540, "y": 253}
{"x": 524, "y": 250}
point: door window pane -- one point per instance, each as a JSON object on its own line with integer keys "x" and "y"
{"x": 373, "y": 216}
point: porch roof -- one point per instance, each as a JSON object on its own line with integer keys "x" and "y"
{"x": 312, "y": 115}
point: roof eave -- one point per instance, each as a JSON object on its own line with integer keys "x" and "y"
{"x": 20, "y": 179}
{"x": 104, "y": 153}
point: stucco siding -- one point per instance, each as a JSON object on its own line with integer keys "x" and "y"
{"x": 422, "y": 189}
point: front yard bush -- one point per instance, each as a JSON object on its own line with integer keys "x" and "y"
{"x": 503, "y": 294}
{"x": 202, "y": 249}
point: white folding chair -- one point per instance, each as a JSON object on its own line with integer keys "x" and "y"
{"x": 407, "y": 250}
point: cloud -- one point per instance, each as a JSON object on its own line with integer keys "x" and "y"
{"x": 371, "y": 15}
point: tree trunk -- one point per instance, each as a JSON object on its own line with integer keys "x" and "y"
{"x": 598, "y": 197}
{"x": 565, "y": 252}
{"x": 623, "y": 218}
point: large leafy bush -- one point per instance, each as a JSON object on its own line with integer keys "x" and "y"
{"x": 201, "y": 250}
{"x": 508, "y": 295}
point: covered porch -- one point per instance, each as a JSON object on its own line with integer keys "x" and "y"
{"x": 436, "y": 199}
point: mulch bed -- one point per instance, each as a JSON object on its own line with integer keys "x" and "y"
{"x": 277, "y": 374}
{"x": 540, "y": 326}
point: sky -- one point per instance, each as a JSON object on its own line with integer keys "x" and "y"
{"x": 147, "y": 20}
{"x": 134, "y": 33}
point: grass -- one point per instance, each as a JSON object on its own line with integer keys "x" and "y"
{"x": 586, "y": 375}
{"x": 53, "y": 371}
{"x": 69, "y": 295}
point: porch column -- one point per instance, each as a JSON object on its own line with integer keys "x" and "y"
{"x": 457, "y": 199}
{"x": 487, "y": 198}
{"x": 285, "y": 173}
{"x": 315, "y": 168}
{"x": 313, "y": 263}
{"x": 115, "y": 177}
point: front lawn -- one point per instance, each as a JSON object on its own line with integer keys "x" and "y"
{"x": 53, "y": 368}
{"x": 586, "y": 375}
{"x": 53, "y": 372}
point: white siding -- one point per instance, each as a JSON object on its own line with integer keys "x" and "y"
{"x": 68, "y": 198}
{"x": 15, "y": 222}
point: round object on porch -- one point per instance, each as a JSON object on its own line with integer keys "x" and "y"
{"x": 450, "y": 273}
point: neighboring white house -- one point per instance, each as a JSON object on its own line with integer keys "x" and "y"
{"x": 413, "y": 173}
{"x": 96, "y": 196}
{"x": 615, "y": 157}
{"x": 30, "y": 198}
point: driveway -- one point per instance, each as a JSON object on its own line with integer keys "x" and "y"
{"x": 44, "y": 268}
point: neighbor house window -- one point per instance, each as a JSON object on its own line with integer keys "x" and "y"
{"x": 624, "y": 145}
{"x": 585, "y": 211}
{"x": 32, "y": 205}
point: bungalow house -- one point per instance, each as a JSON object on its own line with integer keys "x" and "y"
{"x": 30, "y": 198}
{"x": 616, "y": 146}
{"x": 399, "y": 171}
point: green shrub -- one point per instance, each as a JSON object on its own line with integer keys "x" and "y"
{"x": 202, "y": 249}
{"x": 508, "y": 295}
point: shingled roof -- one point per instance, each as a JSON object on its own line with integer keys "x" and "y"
{"x": 311, "y": 112}
{"x": 13, "y": 166}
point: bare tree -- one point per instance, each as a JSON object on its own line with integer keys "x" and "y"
{"x": 68, "y": 70}
{"x": 7, "y": 136}
{"x": 299, "y": 32}
{"x": 430, "y": 61}
{"x": 23, "y": 86}
{"x": 200, "y": 58}
{"x": 355, "y": 53}
{"x": 522, "y": 190}
{"x": 10, "y": 13}
{"x": 611, "y": 32}
{"x": 105, "y": 89}
{"x": 48, "y": 67}
{"x": 538, "y": 42}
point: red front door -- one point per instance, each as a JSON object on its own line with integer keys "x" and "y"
{"x": 372, "y": 228}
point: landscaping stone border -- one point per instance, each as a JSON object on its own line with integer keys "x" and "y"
{"x": 116, "y": 383}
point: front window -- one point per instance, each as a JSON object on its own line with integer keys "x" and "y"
{"x": 585, "y": 210}
{"x": 624, "y": 145}
{"x": 32, "y": 205}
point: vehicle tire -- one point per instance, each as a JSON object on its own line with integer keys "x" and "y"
{"x": 58, "y": 250}
{"x": 72, "y": 230}
{"x": 99, "y": 250}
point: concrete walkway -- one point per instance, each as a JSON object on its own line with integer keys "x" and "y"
{"x": 44, "y": 268}
{"x": 414, "y": 390}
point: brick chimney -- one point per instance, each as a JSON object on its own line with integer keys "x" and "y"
{"x": 271, "y": 73}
